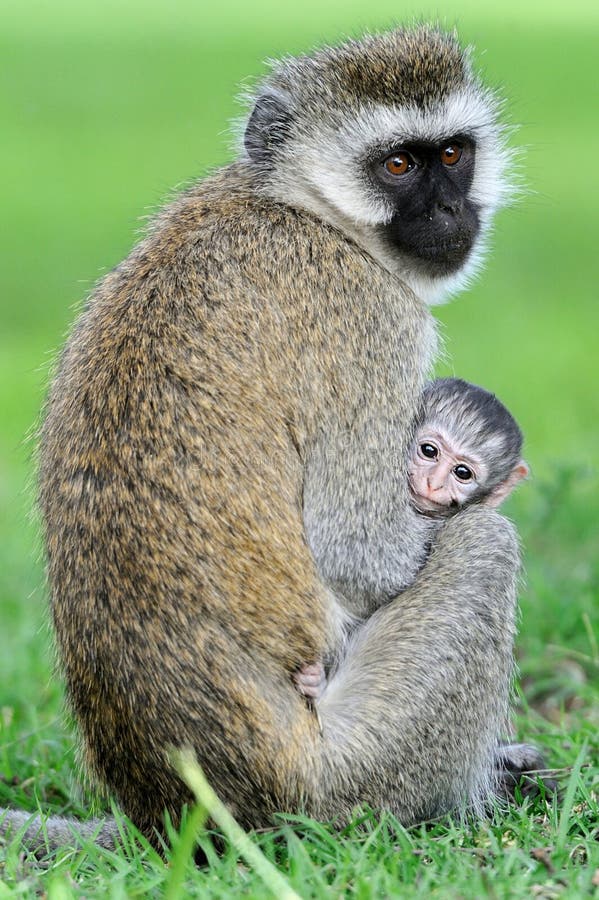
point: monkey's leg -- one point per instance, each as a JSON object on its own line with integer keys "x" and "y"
{"x": 520, "y": 768}
{"x": 414, "y": 715}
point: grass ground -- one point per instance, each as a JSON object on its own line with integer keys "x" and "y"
{"x": 104, "y": 109}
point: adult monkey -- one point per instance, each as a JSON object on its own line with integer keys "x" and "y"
{"x": 220, "y": 484}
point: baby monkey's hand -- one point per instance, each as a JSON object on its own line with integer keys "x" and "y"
{"x": 311, "y": 680}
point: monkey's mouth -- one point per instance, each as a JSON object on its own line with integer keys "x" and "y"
{"x": 442, "y": 250}
{"x": 443, "y": 257}
{"x": 429, "y": 507}
{"x": 436, "y": 257}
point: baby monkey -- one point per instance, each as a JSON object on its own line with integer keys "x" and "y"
{"x": 466, "y": 449}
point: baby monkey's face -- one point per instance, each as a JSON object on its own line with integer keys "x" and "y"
{"x": 444, "y": 474}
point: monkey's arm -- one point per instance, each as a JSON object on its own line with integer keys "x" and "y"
{"x": 368, "y": 541}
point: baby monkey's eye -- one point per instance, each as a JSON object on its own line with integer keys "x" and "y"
{"x": 429, "y": 451}
{"x": 463, "y": 472}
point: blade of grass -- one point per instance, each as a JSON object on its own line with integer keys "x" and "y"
{"x": 586, "y": 619}
{"x": 564, "y": 819}
{"x": 60, "y": 890}
{"x": 196, "y": 819}
{"x": 193, "y": 775}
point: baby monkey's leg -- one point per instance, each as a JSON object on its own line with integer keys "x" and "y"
{"x": 311, "y": 680}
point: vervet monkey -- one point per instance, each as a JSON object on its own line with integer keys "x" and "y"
{"x": 215, "y": 485}
{"x": 466, "y": 449}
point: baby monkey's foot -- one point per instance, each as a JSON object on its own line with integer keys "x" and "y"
{"x": 311, "y": 680}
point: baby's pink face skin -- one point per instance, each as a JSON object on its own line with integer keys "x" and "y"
{"x": 443, "y": 473}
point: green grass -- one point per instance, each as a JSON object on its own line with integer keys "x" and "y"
{"x": 105, "y": 108}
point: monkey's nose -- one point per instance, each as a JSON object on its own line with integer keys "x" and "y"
{"x": 434, "y": 484}
{"x": 453, "y": 206}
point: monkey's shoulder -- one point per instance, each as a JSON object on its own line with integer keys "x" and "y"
{"x": 227, "y": 228}
{"x": 226, "y": 272}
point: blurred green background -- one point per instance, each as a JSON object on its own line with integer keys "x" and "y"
{"x": 106, "y": 107}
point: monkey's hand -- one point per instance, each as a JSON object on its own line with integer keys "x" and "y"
{"x": 311, "y": 680}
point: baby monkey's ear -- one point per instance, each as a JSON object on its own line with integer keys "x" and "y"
{"x": 498, "y": 494}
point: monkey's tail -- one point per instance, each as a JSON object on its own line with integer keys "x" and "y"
{"x": 42, "y": 836}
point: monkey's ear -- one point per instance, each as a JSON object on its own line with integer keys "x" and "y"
{"x": 498, "y": 494}
{"x": 268, "y": 124}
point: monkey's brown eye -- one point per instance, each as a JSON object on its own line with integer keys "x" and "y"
{"x": 463, "y": 472}
{"x": 399, "y": 163}
{"x": 429, "y": 451}
{"x": 451, "y": 154}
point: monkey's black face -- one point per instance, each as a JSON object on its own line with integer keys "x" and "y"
{"x": 434, "y": 222}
